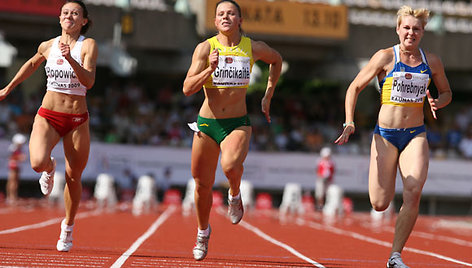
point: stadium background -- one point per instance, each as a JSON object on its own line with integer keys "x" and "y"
{"x": 145, "y": 47}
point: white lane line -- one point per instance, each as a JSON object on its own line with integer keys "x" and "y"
{"x": 376, "y": 241}
{"x": 430, "y": 236}
{"x": 160, "y": 220}
{"x": 10, "y": 259}
{"x": 46, "y": 223}
{"x": 258, "y": 232}
{"x": 5, "y": 210}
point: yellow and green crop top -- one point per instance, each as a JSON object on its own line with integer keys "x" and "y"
{"x": 406, "y": 85}
{"x": 234, "y": 65}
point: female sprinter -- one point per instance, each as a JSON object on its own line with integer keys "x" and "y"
{"x": 222, "y": 66}
{"x": 404, "y": 72}
{"x": 70, "y": 68}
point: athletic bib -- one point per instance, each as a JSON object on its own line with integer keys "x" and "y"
{"x": 232, "y": 71}
{"x": 234, "y": 64}
{"x": 409, "y": 87}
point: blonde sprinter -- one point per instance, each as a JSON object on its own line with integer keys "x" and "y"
{"x": 404, "y": 72}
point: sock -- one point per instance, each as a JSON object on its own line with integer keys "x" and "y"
{"x": 395, "y": 255}
{"x": 65, "y": 227}
{"x": 231, "y": 198}
{"x": 205, "y": 232}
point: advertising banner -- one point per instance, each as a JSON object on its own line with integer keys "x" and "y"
{"x": 37, "y": 7}
{"x": 289, "y": 18}
{"x": 265, "y": 170}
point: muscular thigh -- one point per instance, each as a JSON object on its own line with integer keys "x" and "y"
{"x": 205, "y": 153}
{"x": 383, "y": 169}
{"x": 43, "y": 139}
{"x": 413, "y": 163}
{"x": 235, "y": 146}
{"x": 76, "y": 148}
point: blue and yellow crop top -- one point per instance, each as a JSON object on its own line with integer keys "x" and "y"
{"x": 234, "y": 64}
{"x": 405, "y": 85}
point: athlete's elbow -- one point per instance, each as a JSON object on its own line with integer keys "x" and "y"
{"x": 189, "y": 88}
{"x": 89, "y": 85}
{"x": 187, "y": 91}
{"x": 277, "y": 59}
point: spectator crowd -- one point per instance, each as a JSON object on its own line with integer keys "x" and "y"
{"x": 130, "y": 113}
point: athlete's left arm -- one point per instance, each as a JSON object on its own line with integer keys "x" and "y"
{"x": 261, "y": 51}
{"x": 442, "y": 84}
{"x": 89, "y": 54}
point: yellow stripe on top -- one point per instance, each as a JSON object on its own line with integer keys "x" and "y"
{"x": 405, "y": 85}
{"x": 234, "y": 64}
{"x": 387, "y": 92}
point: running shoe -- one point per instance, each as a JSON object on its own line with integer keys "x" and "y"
{"x": 65, "y": 239}
{"x": 235, "y": 210}
{"x": 47, "y": 179}
{"x": 201, "y": 246}
{"x": 396, "y": 262}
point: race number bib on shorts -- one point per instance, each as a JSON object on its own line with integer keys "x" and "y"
{"x": 232, "y": 71}
{"x": 409, "y": 87}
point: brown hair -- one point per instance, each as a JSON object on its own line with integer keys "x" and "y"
{"x": 84, "y": 14}
{"x": 237, "y": 7}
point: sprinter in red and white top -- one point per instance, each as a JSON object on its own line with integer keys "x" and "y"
{"x": 70, "y": 68}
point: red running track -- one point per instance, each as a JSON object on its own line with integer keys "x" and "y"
{"x": 165, "y": 238}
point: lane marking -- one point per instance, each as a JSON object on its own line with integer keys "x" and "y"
{"x": 263, "y": 235}
{"x": 425, "y": 235}
{"x": 376, "y": 241}
{"x": 160, "y": 220}
{"x": 47, "y": 223}
{"x": 8, "y": 259}
{"x": 208, "y": 263}
{"x": 5, "y": 210}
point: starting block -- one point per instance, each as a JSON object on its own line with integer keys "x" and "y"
{"x": 247, "y": 192}
{"x": 57, "y": 193}
{"x": 104, "y": 192}
{"x": 188, "y": 204}
{"x": 145, "y": 197}
{"x": 292, "y": 200}
{"x": 334, "y": 201}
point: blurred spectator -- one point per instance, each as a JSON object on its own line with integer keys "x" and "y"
{"x": 465, "y": 146}
{"x": 130, "y": 113}
{"x": 17, "y": 156}
{"x": 126, "y": 184}
{"x": 453, "y": 138}
{"x": 324, "y": 176}
{"x": 435, "y": 138}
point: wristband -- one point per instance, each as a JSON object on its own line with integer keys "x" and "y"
{"x": 348, "y": 123}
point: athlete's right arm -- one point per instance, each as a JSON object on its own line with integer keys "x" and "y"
{"x": 27, "y": 69}
{"x": 199, "y": 70}
{"x": 374, "y": 67}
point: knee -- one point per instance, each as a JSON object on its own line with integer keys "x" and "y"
{"x": 231, "y": 168}
{"x": 412, "y": 195}
{"x": 379, "y": 205}
{"x": 39, "y": 164}
{"x": 203, "y": 187}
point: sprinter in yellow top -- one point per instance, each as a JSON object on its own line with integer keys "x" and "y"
{"x": 222, "y": 66}
{"x": 234, "y": 64}
{"x": 399, "y": 138}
